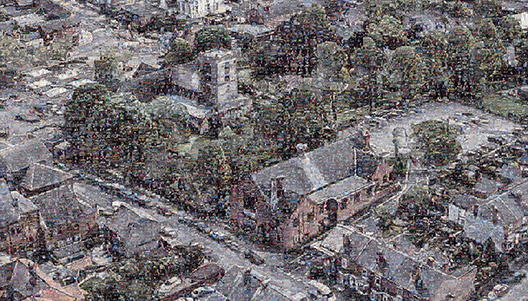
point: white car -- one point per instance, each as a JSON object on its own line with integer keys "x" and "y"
{"x": 202, "y": 292}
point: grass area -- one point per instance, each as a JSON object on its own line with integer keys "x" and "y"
{"x": 503, "y": 105}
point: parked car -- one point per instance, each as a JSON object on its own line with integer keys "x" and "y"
{"x": 219, "y": 236}
{"x": 233, "y": 245}
{"x": 254, "y": 257}
{"x": 202, "y": 292}
{"x": 203, "y": 228}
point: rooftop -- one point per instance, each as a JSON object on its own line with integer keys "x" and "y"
{"x": 22, "y": 155}
{"x": 61, "y": 205}
{"x": 39, "y": 176}
{"x": 399, "y": 267}
{"x": 339, "y": 189}
{"x": 316, "y": 169}
{"x": 9, "y": 213}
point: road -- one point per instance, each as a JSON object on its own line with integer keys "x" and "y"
{"x": 518, "y": 292}
{"x": 228, "y": 257}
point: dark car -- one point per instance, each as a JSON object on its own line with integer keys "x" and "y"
{"x": 254, "y": 257}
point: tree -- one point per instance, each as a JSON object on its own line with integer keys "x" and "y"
{"x": 108, "y": 129}
{"x": 211, "y": 37}
{"x": 387, "y": 31}
{"x": 509, "y": 29}
{"x": 331, "y": 59}
{"x": 488, "y": 8}
{"x": 366, "y": 65}
{"x": 407, "y": 70}
{"x": 180, "y": 52}
{"x": 294, "y": 50}
{"x": 438, "y": 141}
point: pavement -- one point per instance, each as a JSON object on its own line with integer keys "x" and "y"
{"x": 472, "y": 137}
{"x": 518, "y": 292}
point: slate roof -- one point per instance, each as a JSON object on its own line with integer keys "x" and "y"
{"x": 60, "y": 205}
{"x": 399, "y": 266}
{"x": 24, "y": 205}
{"x": 39, "y": 176}
{"x": 27, "y": 279}
{"x": 9, "y": 213}
{"x": 20, "y": 156}
{"x": 339, "y": 189}
{"x": 467, "y": 201}
{"x": 21, "y": 278}
{"x": 133, "y": 229}
{"x": 487, "y": 186}
{"x": 313, "y": 170}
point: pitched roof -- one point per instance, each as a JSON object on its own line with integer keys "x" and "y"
{"x": 399, "y": 266}
{"x": 60, "y": 205}
{"x": 24, "y": 205}
{"x": 20, "y": 156}
{"x": 318, "y": 168}
{"x": 339, "y": 189}
{"x": 27, "y": 279}
{"x": 487, "y": 186}
{"x": 9, "y": 213}
{"x": 40, "y": 176}
{"x": 134, "y": 229}
{"x": 21, "y": 278}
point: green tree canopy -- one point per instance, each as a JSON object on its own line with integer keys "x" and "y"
{"x": 211, "y": 37}
{"x": 438, "y": 141}
{"x": 180, "y": 52}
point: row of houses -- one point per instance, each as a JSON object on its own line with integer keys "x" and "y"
{"x": 395, "y": 270}
{"x": 44, "y": 206}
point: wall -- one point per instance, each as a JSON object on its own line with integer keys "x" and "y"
{"x": 20, "y": 234}
{"x": 186, "y": 76}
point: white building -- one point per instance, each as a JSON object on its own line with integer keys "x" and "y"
{"x": 201, "y": 8}
{"x": 212, "y": 74}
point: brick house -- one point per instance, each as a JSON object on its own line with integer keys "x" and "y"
{"x": 19, "y": 221}
{"x": 293, "y": 201}
{"x": 392, "y": 270}
{"x": 374, "y": 268}
{"x": 68, "y": 218}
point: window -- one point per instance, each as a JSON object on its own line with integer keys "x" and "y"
{"x": 344, "y": 203}
{"x": 249, "y": 202}
{"x": 227, "y": 68}
{"x": 227, "y": 78}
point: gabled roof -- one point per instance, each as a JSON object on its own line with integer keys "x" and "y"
{"x": 21, "y": 278}
{"x": 9, "y": 213}
{"x": 39, "y": 176}
{"x": 313, "y": 170}
{"x": 27, "y": 279}
{"x": 338, "y": 190}
{"x": 20, "y": 156}
{"x": 134, "y": 229}
{"x": 487, "y": 186}
{"x": 398, "y": 266}
{"x": 60, "y": 205}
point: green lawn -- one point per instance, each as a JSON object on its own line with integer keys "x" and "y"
{"x": 503, "y": 105}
